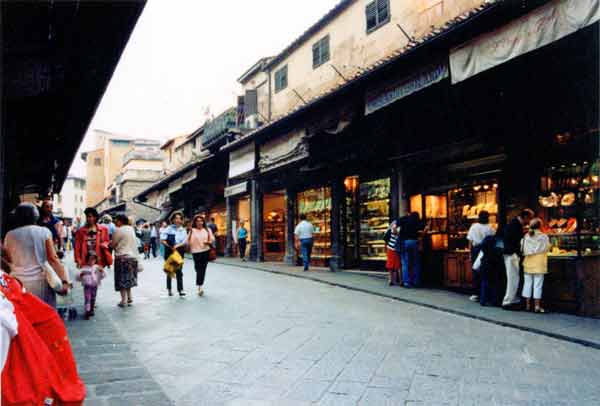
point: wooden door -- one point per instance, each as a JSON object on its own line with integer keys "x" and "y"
{"x": 452, "y": 271}
{"x": 467, "y": 269}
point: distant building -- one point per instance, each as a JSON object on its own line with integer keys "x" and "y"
{"x": 71, "y": 201}
{"x": 104, "y": 163}
{"x": 140, "y": 168}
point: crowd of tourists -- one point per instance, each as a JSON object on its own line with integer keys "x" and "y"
{"x": 497, "y": 259}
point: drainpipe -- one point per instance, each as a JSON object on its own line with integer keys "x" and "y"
{"x": 269, "y": 113}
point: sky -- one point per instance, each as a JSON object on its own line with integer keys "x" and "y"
{"x": 184, "y": 57}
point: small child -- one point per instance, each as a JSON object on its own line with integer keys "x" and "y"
{"x": 393, "y": 264}
{"x": 535, "y": 246}
{"x": 90, "y": 277}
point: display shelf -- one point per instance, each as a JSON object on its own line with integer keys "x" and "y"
{"x": 374, "y": 198}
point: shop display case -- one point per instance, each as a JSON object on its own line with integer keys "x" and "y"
{"x": 568, "y": 204}
{"x": 274, "y": 236}
{"x": 464, "y": 206}
{"x": 374, "y": 218}
{"x": 316, "y": 205}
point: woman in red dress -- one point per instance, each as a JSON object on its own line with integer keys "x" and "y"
{"x": 40, "y": 365}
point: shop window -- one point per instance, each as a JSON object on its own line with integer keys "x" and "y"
{"x": 568, "y": 206}
{"x": 374, "y": 218}
{"x": 274, "y": 226}
{"x": 281, "y": 79}
{"x": 316, "y": 205}
{"x": 320, "y": 52}
{"x": 377, "y": 14}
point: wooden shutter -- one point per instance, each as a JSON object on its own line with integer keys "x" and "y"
{"x": 371, "y": 13}
{"x": 316, "y": 55}
{"x": 325, "y": 49}
{"x": 383, "y": 11}
{"x": 251, "y": 102}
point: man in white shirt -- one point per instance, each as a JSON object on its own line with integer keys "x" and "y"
{"x": 477, "y": 233}
{"x": 304, "y": 233}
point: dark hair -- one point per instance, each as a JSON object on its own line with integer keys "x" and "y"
{"x": 121, "y": 218}
{"x": 196, "y": 217}
{"x": 303, "y": 216}
{"x": 535, "y": 224}
{"x": 175, "y": 214}
{"x": 415, "y": 215}
{"x": 90, "y": 211}
{"x": 484, "y": 217}
{"x": 212, "y": 219}
{"x": 26, "y": 214}
{"x": 527, "y": 213}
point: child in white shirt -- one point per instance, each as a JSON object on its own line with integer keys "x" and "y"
{"x": 90, "y": 277}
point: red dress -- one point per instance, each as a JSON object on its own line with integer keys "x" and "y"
{"x": 40, "y": 361}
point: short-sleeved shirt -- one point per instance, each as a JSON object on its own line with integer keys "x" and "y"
{"x": 304, "y": 230}
{"x": 174, "y": 235}
{"x": 242, "y": 233}
{"x": 27, "y": 248}
{"x": 478, "y": 232}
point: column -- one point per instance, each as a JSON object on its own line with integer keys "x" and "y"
{"x": 402, "y": 198}
{"x": 256, "y": 208}
{"x": 231, "y": 216}
{"x": 290, "y": 218}
{"x": 395, "y": 197}
{"x": 337, "y": 245}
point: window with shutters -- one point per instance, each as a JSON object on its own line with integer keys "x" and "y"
{"x": 320, "y": 52}
{"x": 377, "y": 13}
{"x": 281, "y": 79}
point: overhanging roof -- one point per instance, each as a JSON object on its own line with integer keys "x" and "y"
{"x": 58, "y": 58}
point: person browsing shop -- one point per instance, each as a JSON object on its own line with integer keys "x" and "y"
{"x": 410, "y": 226}
{"x": 477, "y": 233}
{"x": 304, "y": 234}
{"x": 534, "y": 246}
{"x": 513, "y": 233}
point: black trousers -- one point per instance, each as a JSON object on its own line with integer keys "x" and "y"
{"x": 242, "y": 247}
{"x": 179, "y": 273}
{"x": 153, "y": 246}
{"x": 200, "y": 263}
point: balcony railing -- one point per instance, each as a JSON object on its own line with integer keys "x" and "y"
{"x": 218, "y": 128}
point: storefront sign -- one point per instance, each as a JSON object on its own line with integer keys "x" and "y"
{"x": 535, "y": 30}
{"x": 283, "y": 150}
{"x": 242, "y": 161}
{"x": 235, "y": 190}
{"x": 381, "y": 98}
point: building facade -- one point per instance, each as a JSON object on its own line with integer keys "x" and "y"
{"x": 71, "y": 201}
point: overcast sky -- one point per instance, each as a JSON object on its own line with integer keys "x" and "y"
{"x": 185, "y": 56}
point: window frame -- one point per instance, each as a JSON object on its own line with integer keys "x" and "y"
{"x": 278, "y": 73}
{"x": 379, "y": 23}
{"x": 319, "y": 46}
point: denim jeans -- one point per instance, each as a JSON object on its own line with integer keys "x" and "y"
{"x": 411, "y": 260}
{"x": 306, "y": 246}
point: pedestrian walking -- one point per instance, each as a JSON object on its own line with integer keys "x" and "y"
{"x": 29, "y": 248}
{"x": 410, "y": 226}
{"x": 513, "y": 234}
{"x": 146, "y": 240}
{"x": 304, "y": 234}
{"x": 393, "y": 251}
{"x": 535, "y": 246}
{"x": 107, "y": 220}
{"x": 242, "y": 237}
{"x": 174, "y": 238}
{"x": 154, "y": 235}
{"x": 92, "y": 237}
{"x": 200, "y": 241}
{"x": 477, "y": 233}
{"x": 161, "y": 230}
{"x": 90, "y": 276}
{"x": 52, "y": 223}
{"x": 126, "y": 259}
{"x": 212, "y": 226}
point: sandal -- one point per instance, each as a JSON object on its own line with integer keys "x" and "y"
{"x": 121, "y": 305}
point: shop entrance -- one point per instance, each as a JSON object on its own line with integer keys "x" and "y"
{"x": 315, "y": 204}
{"x": 243, "y": 216}
{"x": 274, "y": 226}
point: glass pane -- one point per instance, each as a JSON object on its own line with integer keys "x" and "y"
{"x": 374, "y": 218}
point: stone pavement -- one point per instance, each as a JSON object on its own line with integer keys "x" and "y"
{"x": 258, "y": 338}
{"x": 581, "y": 330}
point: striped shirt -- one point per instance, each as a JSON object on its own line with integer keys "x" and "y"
{"x": 392, "y": 241}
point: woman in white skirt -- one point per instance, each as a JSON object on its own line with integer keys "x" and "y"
{"x": 535, "y": 246}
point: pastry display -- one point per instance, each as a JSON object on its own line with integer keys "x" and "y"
{"x": 374, "y": 218}
{"x": 568, "y": 199}
{"x": 549, "y": 201}
{"x": 316, "y": 205}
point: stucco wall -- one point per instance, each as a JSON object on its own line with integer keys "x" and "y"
{"x": 352, "y": 48}
{"x": 135, "y": 164}
{"x": 95, "y": 184}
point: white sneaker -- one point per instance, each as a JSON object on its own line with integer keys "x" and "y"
{"x": 200, "y": 291}
{"x": 474, "y": 298}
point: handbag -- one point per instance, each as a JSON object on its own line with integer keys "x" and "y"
{"x": 52, "y": 278}
{"x": 108, "y": 258}
{"x": 212, "y": 254}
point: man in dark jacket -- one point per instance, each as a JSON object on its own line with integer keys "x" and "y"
{"x": 410, "y": 227}
{"x": 513, "y": 233}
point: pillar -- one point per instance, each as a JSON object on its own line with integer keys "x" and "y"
{"x": 290, "y": 218}
{"x": 256, "y": 215}
{"x": 395, "y": 196}
{"x": 231, "y": 216}
{"x": 337, "y": 245}
{"x": 402, "y": 197}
